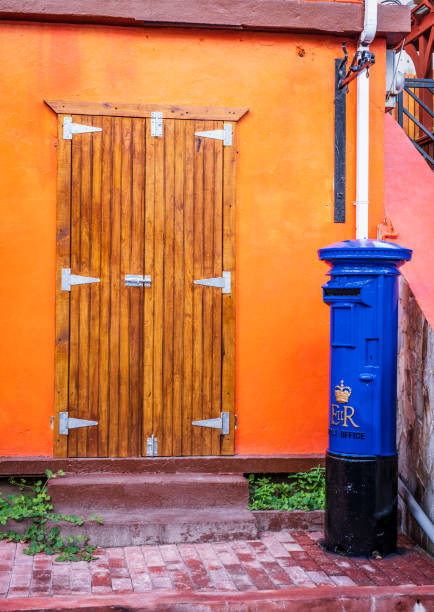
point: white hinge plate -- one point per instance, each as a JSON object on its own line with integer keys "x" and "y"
{"x": 223, "y": 282}
{"x": 69, "y": 279}
{"x": 70, "y": 128}
{"x": 222, "y": 423}
{"x": 157, "y": 124}
{"x": 152, "y": 446}
{"x": 66, "y": 423}
{"x": 225, "y": 134}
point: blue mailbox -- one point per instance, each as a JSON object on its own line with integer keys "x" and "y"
{"x": 361, "y": 459}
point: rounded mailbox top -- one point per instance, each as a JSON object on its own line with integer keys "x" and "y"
{"x": 378, "y": 250}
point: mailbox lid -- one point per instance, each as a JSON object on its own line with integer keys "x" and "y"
{"x": 365, "y": 251}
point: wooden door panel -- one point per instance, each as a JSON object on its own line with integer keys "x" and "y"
{"x": 104, "y": 289}
{"x": 183, "y": 342}
{"x": 228, "y": 299}
{"x": 180, "y": 139}
{"x": 207, "y": 264}
{"x": 136, "y": 297}
{"x": 147, "y": 361}
{"x": 106, "y": 319}
{"x": 186, "y": 433}
{"x": 95, "y": 297}
{"x": 81, "y": 197}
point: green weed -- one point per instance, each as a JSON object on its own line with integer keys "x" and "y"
{"x": 301, "y": 491}
{"x": 43, "y": 534}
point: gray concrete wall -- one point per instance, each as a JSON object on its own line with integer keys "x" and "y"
{"x": 415, "y": 435}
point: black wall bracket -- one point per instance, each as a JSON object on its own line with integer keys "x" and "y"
{"x": 340, "y": 140}
{"x": 363, "y": 59}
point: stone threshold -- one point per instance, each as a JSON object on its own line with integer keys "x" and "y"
{"x": 236, "y": 464}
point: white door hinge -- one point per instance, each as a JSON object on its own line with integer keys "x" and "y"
{"x": 70, "y": 128}
{"x": 69, "y": 279}
{"x": 66, "y": 423}
{"x": 224, "y": 282}
{"x": 157, "y": 124}
{"x": 221, "y": 423}
{"x": 225, "y": 134}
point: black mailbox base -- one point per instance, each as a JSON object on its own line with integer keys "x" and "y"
{"x": 361, "y": 504}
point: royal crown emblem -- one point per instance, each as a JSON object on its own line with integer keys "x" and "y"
{"x": 342, "y": 393}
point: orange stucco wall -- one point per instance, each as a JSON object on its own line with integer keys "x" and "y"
{"x": 284, "y": 205}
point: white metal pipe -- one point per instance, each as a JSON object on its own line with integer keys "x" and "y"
{"x": 362, "y": 146}
{"x": 362, "y": 157}
{"x": 419, "y": 515}
{"x": 369, "y": 23}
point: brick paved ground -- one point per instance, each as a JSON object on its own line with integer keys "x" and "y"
{"x": 278, "y": 560}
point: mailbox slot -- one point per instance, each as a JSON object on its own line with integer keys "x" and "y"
{"x": 342, "y": 291}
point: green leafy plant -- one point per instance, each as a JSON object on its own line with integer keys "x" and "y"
{"x": 43, "y": 534}
{"x": 301, "y": 491}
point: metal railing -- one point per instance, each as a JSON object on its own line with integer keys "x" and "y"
{"x": 419, "y": 114}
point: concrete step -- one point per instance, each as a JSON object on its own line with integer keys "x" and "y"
{"x": 151, "y": 508}
{"x": 174, "y": 526}
{"x": 85, "y": 493}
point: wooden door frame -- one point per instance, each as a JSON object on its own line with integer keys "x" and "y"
{"x": 63, "y": 232}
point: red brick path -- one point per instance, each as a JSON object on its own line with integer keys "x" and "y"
{"x": 279, "y": 560}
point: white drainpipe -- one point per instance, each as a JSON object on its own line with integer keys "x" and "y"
{"x": 362, "y": 150}
{"x": 424, "y": 521}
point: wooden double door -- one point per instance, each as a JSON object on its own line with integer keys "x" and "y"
{"x": 137, "y": 364}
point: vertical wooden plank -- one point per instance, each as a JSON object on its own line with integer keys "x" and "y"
{"x": 158, "y": 287}
{"x": 74, "y": 342}
{"x": 406, "y": 122}
{"x": 216, "y": 389}
{"x": 62, "y": 297}
{"x": 153, "y": 147}
{"x": 418, "y": 112}
{"x": 178, "y": 298}
{"x": 84, "y": 291}
{"x": 409, "y": 105}
{"x": 95, "y": 291}
{"x": 136, "y": 296}
{"x": 125, "y": 268}
{"x": 198, "y": 272}
{"x": 168, "y": 273}
{"x": 104, "y": 324}
{"x": 188, "y": 240}
{"x": 228, "y": 299}
{"x": 115, "y": 273}
{"x": 209, "y": 146}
